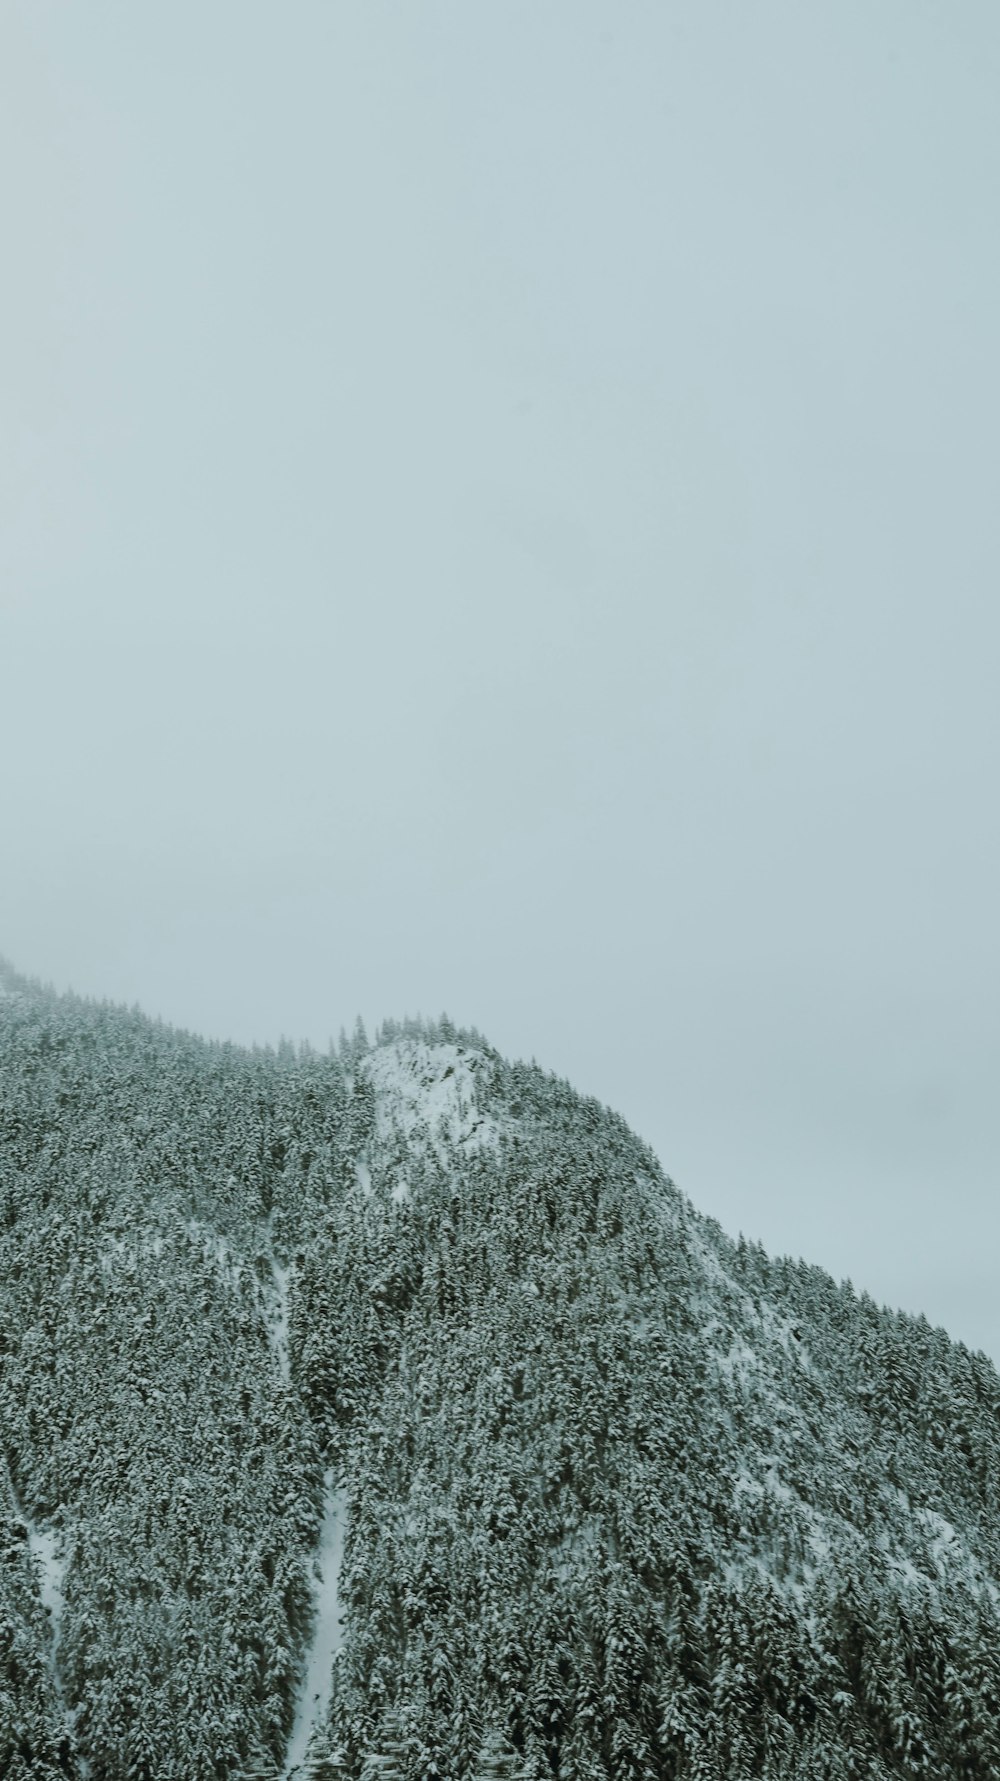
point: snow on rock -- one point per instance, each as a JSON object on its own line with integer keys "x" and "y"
{"x": 316, "y": 1687}
{"x": 430, "y": 1089}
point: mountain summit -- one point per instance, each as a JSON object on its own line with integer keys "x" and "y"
{"x": 390, "y": 1412}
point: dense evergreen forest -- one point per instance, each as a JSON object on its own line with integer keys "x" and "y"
{"x": 624, "y": 1498}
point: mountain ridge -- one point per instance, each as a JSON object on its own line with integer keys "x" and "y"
{"x": 623, "y": 1496}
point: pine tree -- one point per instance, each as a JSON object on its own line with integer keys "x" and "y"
{"x": 497, "y": 1759}
{"x": 388, "y": 1761}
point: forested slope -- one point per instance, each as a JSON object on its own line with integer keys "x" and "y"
{"x": 624, "y": 1498}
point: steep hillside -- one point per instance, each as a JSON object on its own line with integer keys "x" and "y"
{"x": 615, "y": 1495}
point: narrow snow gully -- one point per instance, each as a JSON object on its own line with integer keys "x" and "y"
{"x": 47, "y": 1548}
{"x": 276, "y": 1306}
{"x": 279, "y": 1320}
{"x": 43, "y": 1544}
{"x": 316, "y": 1687}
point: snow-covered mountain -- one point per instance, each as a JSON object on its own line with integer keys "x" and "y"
{"x": 391, "y": 1412}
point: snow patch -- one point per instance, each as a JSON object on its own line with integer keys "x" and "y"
{"x": 47, "y": 1550}
{"x": 127, "y": 1253}
{"x": 430, "y": 1090}
{"x": 278, "y": 1319}
{"x": 216, "y": 1248}
{"x": 276, "y": 1306}
{"x": 945, "y": 1544}
{"x": 313, "y": 1704}
{"x": 951, "y": 1558}
{"x": 740, "y": 1360}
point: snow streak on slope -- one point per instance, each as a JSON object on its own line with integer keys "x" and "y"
{"x": 47, "y": 1548}
{"x": 317, "y": 1682}
{"x": 278, "y": 1318}
{"x": 44, "y": 1546}
{"x": 428, "y": 1092}
{"x": 276, "y": 1306}
{"x": 763, "y": 1356}
{"x": 48, "y": 1551}
{"x": 272, "y": 1294}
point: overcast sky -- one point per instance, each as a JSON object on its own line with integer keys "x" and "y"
{"x": 499, "y": 513}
